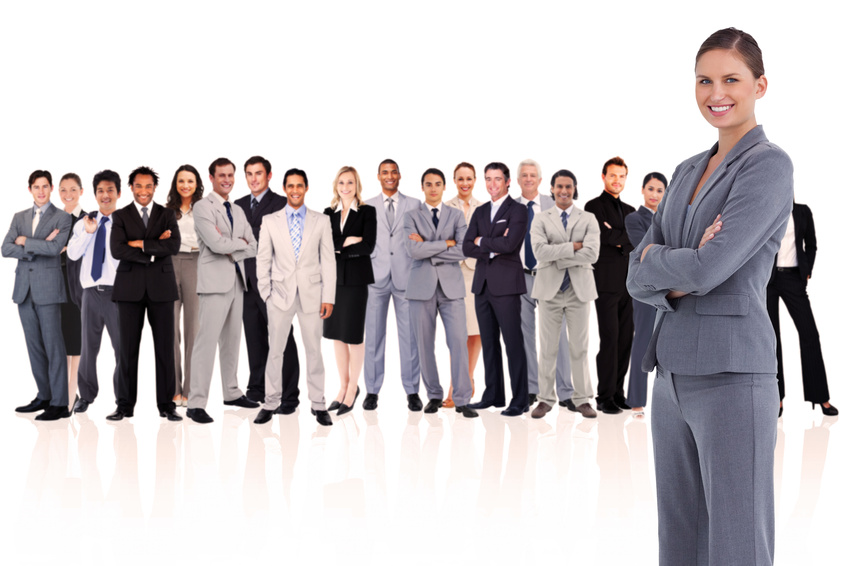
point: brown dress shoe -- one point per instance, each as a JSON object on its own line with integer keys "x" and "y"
{"x": 586, "y": 411}
{"x": 540, "y": 410}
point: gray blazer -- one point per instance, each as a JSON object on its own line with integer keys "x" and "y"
{"x": 555, "y": 253}
{"x": 39, "y": 270}
{"x": 390, "y": 259}
{"x": 432, "y": 260}
{"x": 221, "y": 246}
{"x": 721, "y": 325}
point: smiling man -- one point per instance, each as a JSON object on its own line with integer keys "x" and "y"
{"x": 35, "y": 239}
{"x": 144, "y": 237}
{"x": 225, "y": 240}
{"x": 613, "y": 306}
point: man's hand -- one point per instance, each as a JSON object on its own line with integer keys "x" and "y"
{"x": 577, "y": 245}
{"x": 609, "y": 227}
{"x": 478, "y": 240}
{"x": 711, "y": 231}
{"x": 136, "y": 244}
{"x": 413, "y": 237}
{"x": 326, "y": 309}
{"x": 52, "y": 235}
{"x": 351, "y": 240}
{"x": 451, "y": 243}
{"x": 21, "y": 240}
{"x": 165, "y": 235}
{"x": 90, "y": 224}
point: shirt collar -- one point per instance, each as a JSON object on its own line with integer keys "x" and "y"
{"x": 438, "y": 208}
{"x": 219, "y": 198}
{"x": 500, "y": 201}
{"x": 568, "y": 211}
{"x": 259, "y": 198}
{"x": 535, "y": 200}
{"x": 301, "y": 211}
{"x": 139, "y": 207}
{"x": 44, "y": 208}
{"x": 339, "y": 206}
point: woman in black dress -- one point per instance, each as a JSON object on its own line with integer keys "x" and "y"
{"x": 70, "y": 190}
{"x": 354, "y": 225}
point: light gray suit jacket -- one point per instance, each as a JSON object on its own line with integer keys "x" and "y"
{"x": 390, "y": 258}
{"x": 313, "y": 275}
{"x": 433, "y": 262}
{"x": 221, "y": 246}
{"x": 39, "y": 270}
{"x": 468, "y": 262}
{"x": 552, "y": 245}
{"x": 721, "y": 325}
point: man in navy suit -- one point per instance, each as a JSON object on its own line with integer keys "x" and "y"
{"x": 495, "y": 235}
{"x": 261, "y": 202}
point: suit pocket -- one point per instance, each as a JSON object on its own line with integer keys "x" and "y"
{"x": 315, "y": 278}
{"x": 124, "y": 266}
{"x": 168, "y": 268}
{"x": 723, "y": 305}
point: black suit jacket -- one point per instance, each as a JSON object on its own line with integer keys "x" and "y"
{"x": 503, "y": 274}
{"x": 806, "y": 241}
{"x": 611, "y": 269}
{"x": 71, "y": 268}
{"x": 270, "y": 203}
{"x": 353, "y": 263}
{"x": 137, "y": 271}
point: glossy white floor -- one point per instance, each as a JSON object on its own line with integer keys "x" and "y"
{"x": 388, "y": 485}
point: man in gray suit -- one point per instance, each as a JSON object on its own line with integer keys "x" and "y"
{"x": 35, "y": 239}
{"x": 566, "y": 242}
{"x": 391, "y": 264}
{"x": 530, "y": 177}
{"x": 225, "y": 240}
{"x": 436, "y": 285}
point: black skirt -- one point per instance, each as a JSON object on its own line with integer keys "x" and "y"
{"x": 348, "y": 321}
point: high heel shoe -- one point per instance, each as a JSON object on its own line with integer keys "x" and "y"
{"x": 343, "y": 408}
{"x": 830, "y": 411}
{"x": 334, "y": 405}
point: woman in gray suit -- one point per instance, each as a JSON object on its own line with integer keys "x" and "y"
{"x": 716, "y": 396}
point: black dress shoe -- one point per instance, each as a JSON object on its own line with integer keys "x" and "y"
{"x": 370, "y": 402}
{"x": 171, "y": 414}
{"x": 285, "y": 409}
{"x": 81, "y": 406}
{"x": 53, "y": 413}
{"x": 608, "y": 408}
{"x": 830, "y": 411}
{"x": 467, "y": 411}
{"x": 514, "y": 411}
{"x": 780, "y": 410}
{"x": 119, "y": 414}
{"x": 242, "y": 402}
{"x": 199, "y": 416}
{"x": 254, "y": 395}
{"x": 263, "y": 416}
{"x": 433, "y": 406}
{"x": 413, "y": 402}
{"x": 569, "y": 405}
{"x": 33, "y": 406}
{"x": 323, "y": 417}
{"x": 334, "y": 405}
{"x": 532, "y": 398}
{"x": 480, "y": 405}
{"x": 622, "y": 404}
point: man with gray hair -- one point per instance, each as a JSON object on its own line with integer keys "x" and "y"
{"x": 530, "y": 176}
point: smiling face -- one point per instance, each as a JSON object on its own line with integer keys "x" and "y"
{"x": 496, "y": 184}
{"x": 346, "y": 187}
{"x": 389, "y": 177}
{"x": 40, "y": 190}
{"x": 295, "y": 189}
{"x": 653, "y": 193}
{"x": 614, "y": 179}
{"x": 726, "y": 91}
{"x": 69, "y": 194}
{"x": 143, "y": 189}
{"x": 187, "y": 184}
{"x": 223, "y": 179}
{"x": 257, "y": 178}
{"x": 563, "y": 191}
{"x": 106, "y": 194}
{"x": 464, "y": 178}
{"x": 529, "y": 181}
{"x": 433, "y": 187}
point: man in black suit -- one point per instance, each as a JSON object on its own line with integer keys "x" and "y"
{"x": 613, "y": 306}
{"x": 144, "y": 237}
{"x": 793, "y": 267}
{"x": 495, "y": 235}
{"x": 260, "y": 202}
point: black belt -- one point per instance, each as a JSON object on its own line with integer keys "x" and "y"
{"x": 788, "y": 269}
{"x": 101, "y": 288}
{"x": 531, "y": 272}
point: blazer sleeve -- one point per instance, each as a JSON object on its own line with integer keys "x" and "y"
{"x": 616, "y": 237}
{"x": 118, "y": 242}
{"x": 420, "y": 250}
{"x": 591, "y": 246}
{"x": 634, "y": 226}
{"x": 248, "y": 235}
{"x": 751, "y": 214}
{"x": 810, "y": 239}
{"x": 369, "y": 236}
{"x": 212, "y": 238}
{"x": 454, "y": 254}
{"x": 327, "y": 257}
{"x": 517, "y": 224}
{"x": 264, "y": 256}
{"x": 10, "y": 248}
{"x": 53, "y": 247}
{"x": 169, "y": 246}
{"x": 469, "y": 247}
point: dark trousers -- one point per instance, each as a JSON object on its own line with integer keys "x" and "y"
{"x": 43, "y": 334}
{"x": 644, "y": 316}
{"x": 615, "y": 314}
{"x": 98, "y": 311}
{"x": 160, "y": 315}
{"x": 790, "y": 287}
{"x": 255, "y": 320}
{"x": 501, "y": 315}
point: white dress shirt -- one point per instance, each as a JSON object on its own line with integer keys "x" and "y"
{"x": 82, "y": 246}
{"x": 787, "y": 251}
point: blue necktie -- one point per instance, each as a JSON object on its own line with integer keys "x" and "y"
{"x": 565, "y": 219}
{"x": 435, "y": 218}
{"x": 530, "y": 259}
{"x": 230, "y": 218}
{"x": 99, "y": 250}
{"x": 295, "y": 235}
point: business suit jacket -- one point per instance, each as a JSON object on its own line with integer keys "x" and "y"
{"x": 39, "y": 270}
{"x": 220, "y": 245}
{"x": 468, "y": 262}
{"x": 722, "y": 324}
{"x": 806, "y": 241}
{"x": 313, "y": 276}
{"x": 434, "y": 263}
{"x": 611, "y": 269}
{"x": 552, "y": 245}
{"x": 390, "y": 260}
{"x": 637, "y": 224}
{"x": 353, "y": 263}
{"x": 137, "y": 272}
{"x": 503, "y": 274}
{"x": 271, "y": 202}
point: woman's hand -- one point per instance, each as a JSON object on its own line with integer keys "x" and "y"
{"x": 711, "y": 231}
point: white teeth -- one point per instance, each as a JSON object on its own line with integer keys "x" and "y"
{"x": 720, "y": 108}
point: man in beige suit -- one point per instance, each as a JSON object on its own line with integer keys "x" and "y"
{"x": 296, "y": 274}
{"x": 565, "y": 241}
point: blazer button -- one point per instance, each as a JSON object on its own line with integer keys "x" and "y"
{"x": 390, "y": 253}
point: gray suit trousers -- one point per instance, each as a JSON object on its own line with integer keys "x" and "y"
{"x": 423, "y": 322}
{"x": 186, "y": 273}
{"x": 378, "y": 309}
{"x": 46, "y": 347}
{"x": 98, "y": 311}
{"x": 219, "y": 324}
{"x": 564, "y": 382}
{"x": 714, "y": 445}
